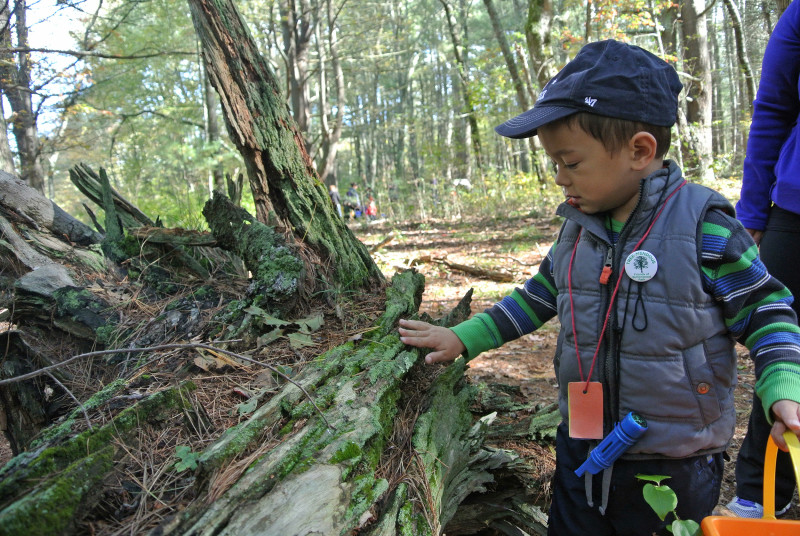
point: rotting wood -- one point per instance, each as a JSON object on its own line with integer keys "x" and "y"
{"x": 177, "y": 236}
{"x": 50, "y": 488}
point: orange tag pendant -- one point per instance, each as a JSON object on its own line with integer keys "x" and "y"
{"x": 585, "y": 410}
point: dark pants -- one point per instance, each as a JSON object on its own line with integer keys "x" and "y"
{"x": 780, "y": 253}
{"x": 696, "y": 481}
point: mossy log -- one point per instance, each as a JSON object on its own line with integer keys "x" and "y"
{"x": 50, "y": 488}
{"x": 397, "y": 451}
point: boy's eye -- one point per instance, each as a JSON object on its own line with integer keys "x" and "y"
{"x": 571, "y": 166}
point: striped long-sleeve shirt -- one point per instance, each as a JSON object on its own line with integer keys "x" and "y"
{"x": 756, "y": 307}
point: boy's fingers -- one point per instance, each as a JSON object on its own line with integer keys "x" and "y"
{"x": 436, "y": 357}
{"x": 413, "y": 324}
{"x": 777, "y": 435}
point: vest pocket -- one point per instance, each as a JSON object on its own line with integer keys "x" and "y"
{"x": 702, "y": 383}
{"x": 680, "y": 388}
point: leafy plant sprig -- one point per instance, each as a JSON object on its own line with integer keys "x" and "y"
{"x": 186, "y": 458}
{"x": 663, "y": 501}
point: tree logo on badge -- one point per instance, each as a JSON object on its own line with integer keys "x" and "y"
{"x": 641, "y": 266}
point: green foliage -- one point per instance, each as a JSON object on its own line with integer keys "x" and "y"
{"x": 663, "y": 501}
{"x": 144, "y": 119}
{"x": 186, "y": 458}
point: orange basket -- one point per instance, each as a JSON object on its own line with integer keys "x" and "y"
{"x": 768, "y": 525}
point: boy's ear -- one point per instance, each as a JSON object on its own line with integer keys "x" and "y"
{"x": 643, "y": 147}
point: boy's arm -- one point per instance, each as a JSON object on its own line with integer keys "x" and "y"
{"x": 758, "y": 313}
{"x": 523, "y": 311}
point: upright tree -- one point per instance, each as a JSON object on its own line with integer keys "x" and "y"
{"x": 698, "y": 89}
{"x": 286, "y": 191}
{"x": 15, "y": 82}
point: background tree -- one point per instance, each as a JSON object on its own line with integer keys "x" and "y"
{"x": 16, "y": 84}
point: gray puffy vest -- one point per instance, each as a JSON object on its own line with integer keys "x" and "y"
{"x": 669, "y": 358}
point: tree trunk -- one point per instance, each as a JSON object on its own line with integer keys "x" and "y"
{"x": 698, "y": 90}
{"x": 286, "y": 190}
{"x": 464, "y": 85}
{"x": 212, "y": 132}
{"x": 15, "y": 80}
{"x": 519, "y": 86}
{"x": 741, "y": 53}
{"x": 331, "y": 133}
{"x": 6, "y": 158}
{"x": 298, "y": 28}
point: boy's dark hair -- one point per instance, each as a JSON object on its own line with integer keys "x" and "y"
{"x": 614, "y": 133}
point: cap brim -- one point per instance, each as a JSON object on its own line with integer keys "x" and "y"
{"x": 527, "y": 123}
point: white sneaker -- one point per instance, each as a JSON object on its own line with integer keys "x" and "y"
{"x": 744, "y": 508}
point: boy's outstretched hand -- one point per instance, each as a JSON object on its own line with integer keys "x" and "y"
{"x": 787, "y": 417}
{"x": 446, "y": 344}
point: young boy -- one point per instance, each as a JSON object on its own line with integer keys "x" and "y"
{"x": 653, "y": 281}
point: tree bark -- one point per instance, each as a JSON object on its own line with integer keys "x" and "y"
{"x": 331, "y": 133}
{"x": 6, "y": 158}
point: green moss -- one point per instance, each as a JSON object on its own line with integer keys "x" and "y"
{"x": 348, "y": 451}
{"x": 22, "y": 471}
{"x": 55, "y": 507}
{"x": 64, "y": 428}
{"x": 107, "y": 334}
{"x": 411, "y": 522}
{"x": 366, "y": 490}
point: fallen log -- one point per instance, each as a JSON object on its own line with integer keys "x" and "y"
{"x": 493, "y": 275}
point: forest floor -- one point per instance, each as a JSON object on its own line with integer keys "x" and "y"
{"x": 514, "y": 247}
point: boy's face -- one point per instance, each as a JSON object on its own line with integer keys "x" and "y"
{"x": 593, "y": 179}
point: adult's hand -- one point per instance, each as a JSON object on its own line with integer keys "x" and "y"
{"x": 757, "y": 235}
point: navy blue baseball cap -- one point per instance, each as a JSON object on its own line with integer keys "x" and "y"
{"x": 607, "y": 78}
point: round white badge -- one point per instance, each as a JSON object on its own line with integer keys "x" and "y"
{"x": 641, "y": 266}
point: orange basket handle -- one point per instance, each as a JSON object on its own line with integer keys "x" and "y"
{"x": 770, "y": 467}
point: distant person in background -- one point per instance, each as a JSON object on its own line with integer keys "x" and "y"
{"x": 337, "y": 201}
{"x": 372, "y": 209}
{"x": 769, "y": 209}
{"x": 353, "y": 200}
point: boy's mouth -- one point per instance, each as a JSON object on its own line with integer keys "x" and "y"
{"x": 572, "y": 200}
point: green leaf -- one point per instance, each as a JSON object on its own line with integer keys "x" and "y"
{"x": 652, "y": 478}
{"x": 686, "y": 527}
{"x": 311, "y": 323}
{"x": 186, "y": 458}
{"x": 253, "y": 310}
{"x": 300, "y": 340}
{"x": 247, "y": 407}
{"x": 267, "y": 338}
{"x": 265, "y": 318}
{"x": 661, "y": 499}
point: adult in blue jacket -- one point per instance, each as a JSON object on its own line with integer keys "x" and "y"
{"x": 769, "y": 208}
